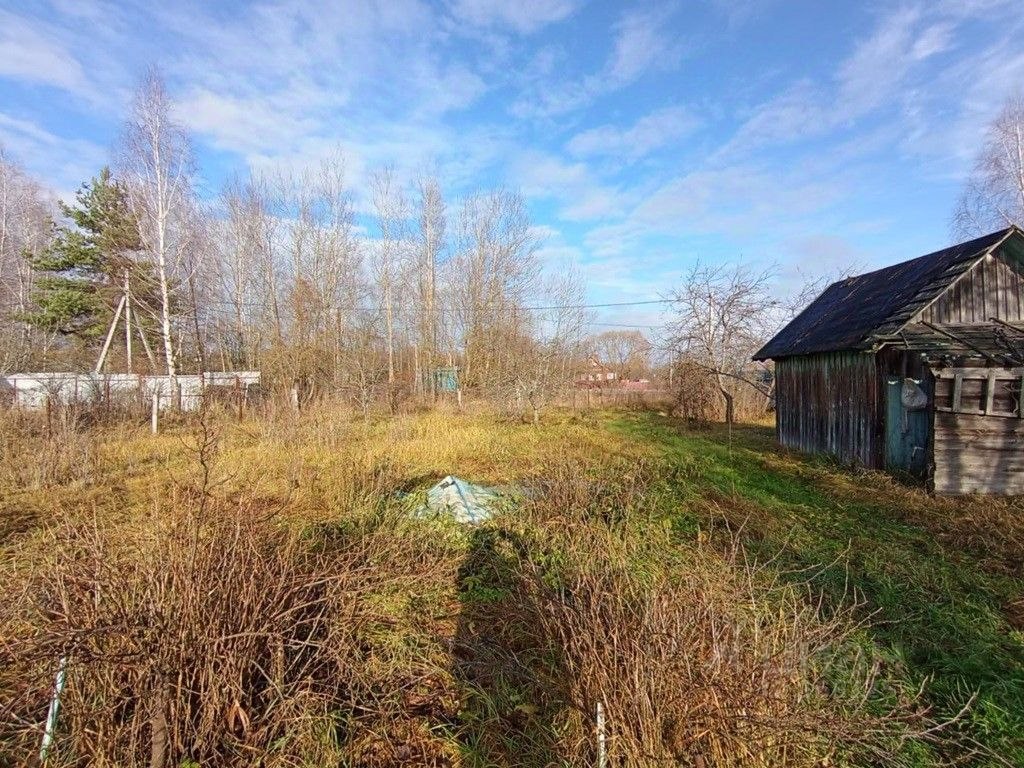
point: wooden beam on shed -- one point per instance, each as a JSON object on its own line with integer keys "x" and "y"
{"x": 958, "y": 390}
{"x": 990, "y": 392}
{"x": 1011, "y": 326}
{"x": 959, "y": 340}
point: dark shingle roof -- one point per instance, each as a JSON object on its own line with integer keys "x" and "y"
{"x": 851, "y": 312}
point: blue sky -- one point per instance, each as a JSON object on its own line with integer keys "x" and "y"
{"x": 644, "y": 136}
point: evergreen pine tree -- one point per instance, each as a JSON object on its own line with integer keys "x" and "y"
{"x": 82, "y": 272}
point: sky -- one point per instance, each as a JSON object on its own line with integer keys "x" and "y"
{"x": 814, "y": 136}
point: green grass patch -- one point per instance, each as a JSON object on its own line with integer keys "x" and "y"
{"x": 939, "y": 611}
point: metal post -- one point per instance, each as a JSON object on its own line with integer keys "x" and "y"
{"x": 602, "y": 756}
{"x": 155, "y": 415}
{"x": 51, "y": 715}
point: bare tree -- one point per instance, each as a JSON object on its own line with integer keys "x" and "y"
{"x": 994, "y": 195}
{"x": 627, "y": 352}
{"x": 392, "y": 213}
{"x": 723, "y": 315}
{"x": 25, "y": 217}
{"x": 240, "y": 270}
{"x": 492, "y": 274}
{"x": 430, "y": 245}
{"x": 544, "y": 362}
{"x": 157, "y": 164}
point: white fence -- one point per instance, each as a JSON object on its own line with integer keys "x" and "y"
{"x": 34, "y": 390}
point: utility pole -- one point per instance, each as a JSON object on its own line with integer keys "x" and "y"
{"x": 128, "y": 320}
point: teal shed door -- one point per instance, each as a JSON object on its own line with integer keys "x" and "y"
{"x": 906, "y": 429}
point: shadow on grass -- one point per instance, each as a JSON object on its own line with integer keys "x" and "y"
{"x": 508, "y": 711}
{"x": 939, "y": 614}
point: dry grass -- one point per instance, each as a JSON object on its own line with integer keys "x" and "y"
{"x": 698, "y": 656}
{"x": 233, "y": 593}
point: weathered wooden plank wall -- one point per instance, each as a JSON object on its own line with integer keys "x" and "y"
{"x": 992, "y": 288}
{"x": 828, "y": 403}
{"x": 978, "y": 454}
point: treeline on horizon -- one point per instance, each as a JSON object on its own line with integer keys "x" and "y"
{"x": 279, "y": 274}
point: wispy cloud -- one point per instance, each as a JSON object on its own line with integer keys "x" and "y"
{"x": 34, "y": 54}
{"x": 580, "y": 195}
{"x": 650, "y": 132}
{"x": 524, "y": 16}
{"x": 641, "y": 43}
{"x": 63, "y": 162}
{"x": 641, "y": 134}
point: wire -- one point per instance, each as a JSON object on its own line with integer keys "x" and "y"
{"x": 626, "y": 325}
{"x": 527, "y": 308}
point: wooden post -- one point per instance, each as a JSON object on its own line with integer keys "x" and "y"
{"x": 128, "y": 322}
{"x": 990, "y": 391}
{"x": 154, "y": 418}
{"x": 1020, "y": 400}
{"x": 458, "y": 397}
{"x": 602, "y": 756}
{"x": 958, "y": 390}
{"x": 238, "y": 397}
{"x": 110, "y": 334}
{"x": 417, "y": 384}
{"x": 145, "y": 346}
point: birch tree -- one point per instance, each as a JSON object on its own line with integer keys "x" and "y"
{"x": 324, "y": 280}
{"x": 392, "y": 215}
{"x": 157, "y": 164}
{"x": 430, "y": 244}
{"x": 25, "y": 218}
{"x": 994, "y": 194}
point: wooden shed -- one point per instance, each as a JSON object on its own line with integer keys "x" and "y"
{"x": 915, "y": 368}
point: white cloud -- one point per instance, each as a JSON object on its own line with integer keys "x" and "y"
{"x": 649, "y": 133}
{"x": 936, "y": 39}
{"x": 245, "y": 125}
{"x": 582, "y": 197}
{"x": 63, "y": 163}
{"x": 892, "y": 68}
{"x": 30, "y": 53}
{"x": 523, "y": 16}
{"x": 880, "y": 62}
{"x": 641, "y": 44}
{"x": 737, "y": 199}
{"x": 739, "y": 12}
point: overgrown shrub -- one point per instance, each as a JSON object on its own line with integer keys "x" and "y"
{"x": 222, "y": 636}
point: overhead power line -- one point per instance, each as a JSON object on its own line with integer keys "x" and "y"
{"x": 526, "y": 308}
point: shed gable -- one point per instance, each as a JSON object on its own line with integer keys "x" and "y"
{"x": 992, "y": 288}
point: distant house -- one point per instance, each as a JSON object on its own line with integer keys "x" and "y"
{"x": 598, "y": 375}
{"x": 917, "y": 367}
